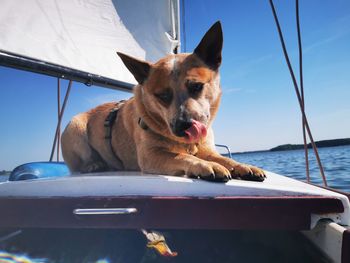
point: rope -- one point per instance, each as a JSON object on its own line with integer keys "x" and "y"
{"x": 301, "y": 82}
{"x": 301, "y": 104}
{"x": 60, "y": 119}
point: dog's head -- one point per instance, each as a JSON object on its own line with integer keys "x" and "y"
{"x": 180, "y": 94}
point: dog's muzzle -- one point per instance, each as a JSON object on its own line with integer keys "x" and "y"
{"x": 179, "y": 126}
{"x": 193, "y": 131}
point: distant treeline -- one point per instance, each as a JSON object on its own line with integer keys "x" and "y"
{"x": 320, "y": 144}
{"x": 3, "y": 172}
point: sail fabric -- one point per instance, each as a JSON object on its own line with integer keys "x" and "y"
{"x": 86, "y": 34}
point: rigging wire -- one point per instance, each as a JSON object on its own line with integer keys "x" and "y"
{"x": 183, "y": 26}
{"x": 60, "y": 119}
{"x": 296, "y": 88}
{"x": 301, "y": 83}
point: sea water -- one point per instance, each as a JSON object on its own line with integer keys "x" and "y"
{"x": 335, "y": 161}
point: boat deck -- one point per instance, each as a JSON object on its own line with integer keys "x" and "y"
{"x": 166, "y": 202}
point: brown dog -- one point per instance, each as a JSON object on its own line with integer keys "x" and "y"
{"x": 166, "y": 127}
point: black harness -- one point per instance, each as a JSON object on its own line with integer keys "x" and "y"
{"x": 142, "y": 124}
{"x": 108, "y": 125}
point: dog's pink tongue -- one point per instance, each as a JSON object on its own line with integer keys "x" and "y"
{"x": 196, "y": 132}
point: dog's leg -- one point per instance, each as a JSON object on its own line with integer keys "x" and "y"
{"x": 237, "y": 170}
{"x": 163, "y": 162}
{"x": 76, "y": 151}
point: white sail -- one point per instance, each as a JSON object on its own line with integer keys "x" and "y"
{"x": 85, "y": 34}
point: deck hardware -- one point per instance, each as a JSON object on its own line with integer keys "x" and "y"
{"x": 104, "y": 211}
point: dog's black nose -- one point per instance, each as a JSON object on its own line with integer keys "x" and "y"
{"x": 180, "y": 126}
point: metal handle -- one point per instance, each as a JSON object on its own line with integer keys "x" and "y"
{"x": 104, "y": 211}
{"x": 226, "y": 147}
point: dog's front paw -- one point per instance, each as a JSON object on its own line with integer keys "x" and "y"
{"x": 248, "y": 172}
{"x": 210, "y": 171}
{"x": 92, "y": 167}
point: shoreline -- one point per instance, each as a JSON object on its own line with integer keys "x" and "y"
{"x": 292, "y": 147}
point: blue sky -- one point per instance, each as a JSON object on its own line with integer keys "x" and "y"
{"x": 259, "y": 109}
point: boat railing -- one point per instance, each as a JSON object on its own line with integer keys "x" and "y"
{"x": 226, "y": 147}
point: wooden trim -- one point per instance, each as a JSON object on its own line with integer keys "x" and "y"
{"x": 269, "y": 213}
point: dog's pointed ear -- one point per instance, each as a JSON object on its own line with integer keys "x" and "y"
{"x": 210, "y": 47}
{"x": 140, "y": 69}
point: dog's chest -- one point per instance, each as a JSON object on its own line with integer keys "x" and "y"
{"x": 192, "y": 149}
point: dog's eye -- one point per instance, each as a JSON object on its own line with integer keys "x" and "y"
{"x": 165, "y": 96}
{"x": 194, "y": 88}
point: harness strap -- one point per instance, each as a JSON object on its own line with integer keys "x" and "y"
{"x": 142, "y": 124}
{"x": 108, "y": 125}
